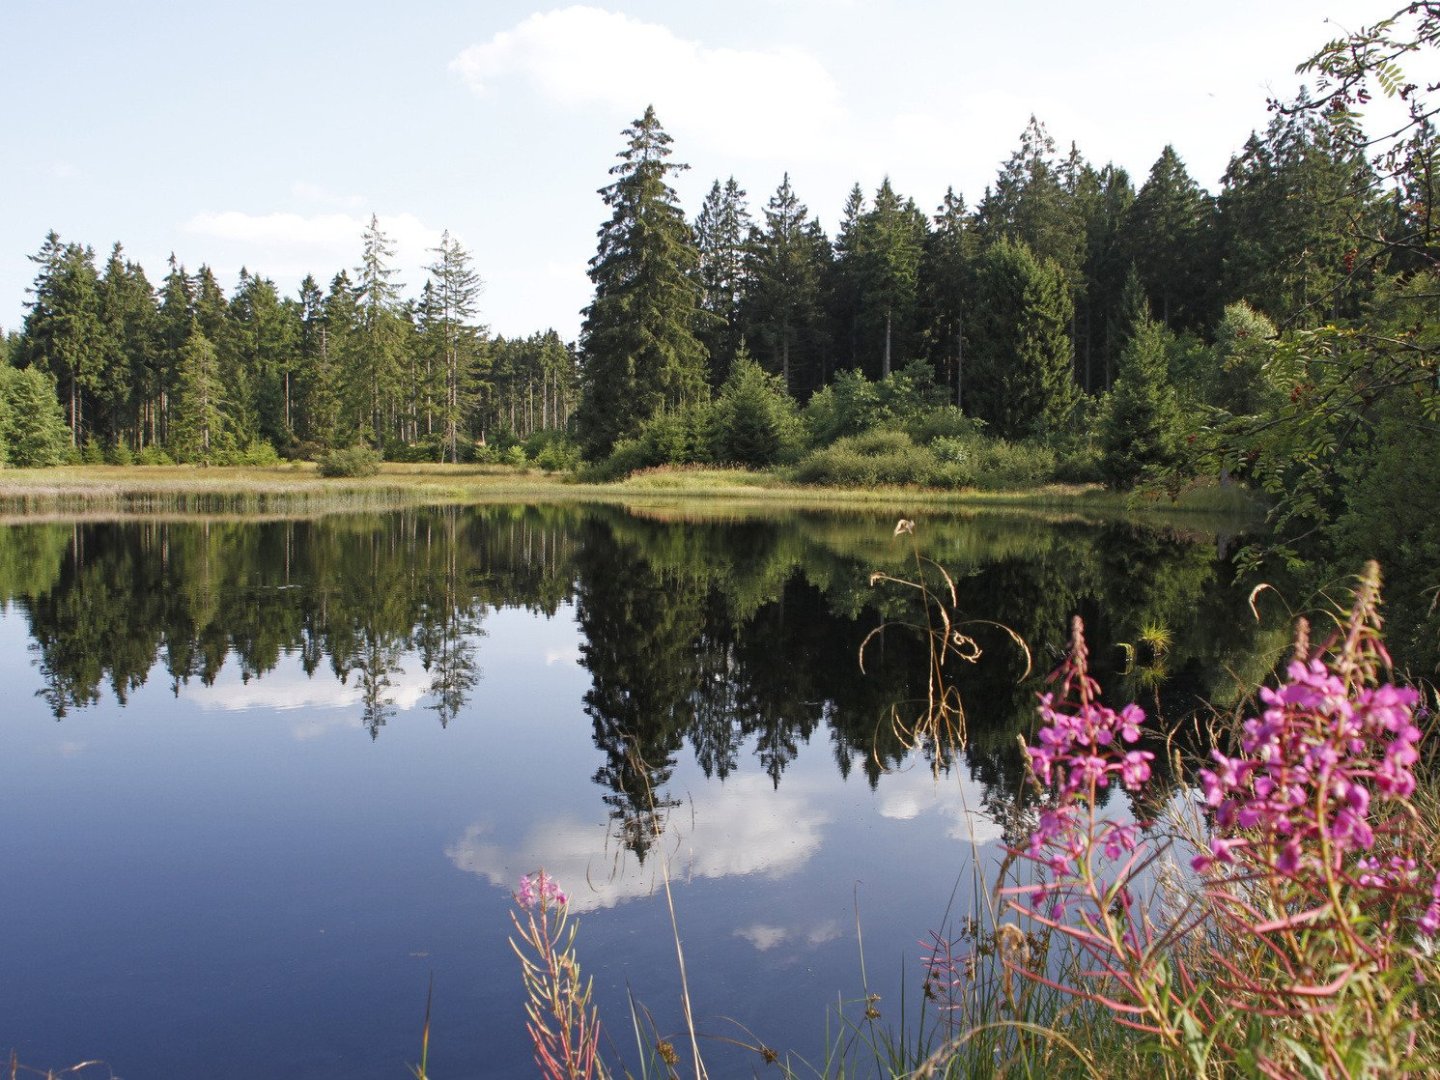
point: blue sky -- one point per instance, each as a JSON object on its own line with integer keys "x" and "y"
{"x": 266, "y": 134}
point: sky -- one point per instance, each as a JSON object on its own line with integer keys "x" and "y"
{"x": 265, "y": 135}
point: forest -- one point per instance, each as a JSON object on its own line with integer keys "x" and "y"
{"x": 1074, "y": 324}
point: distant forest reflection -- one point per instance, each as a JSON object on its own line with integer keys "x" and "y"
{"x": 699, "y": 633}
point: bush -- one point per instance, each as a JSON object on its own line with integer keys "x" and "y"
{"x": 355, "y": 461}
{"x": 875, "y": 458}
{"x": 259, "y": 454}
{"x": 121, "y": 454}
{"x": 153, "y": 455}
{"x": 516, "y": 456}
{"x": 92, "y": 454}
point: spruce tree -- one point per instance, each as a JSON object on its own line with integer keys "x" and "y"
{"x": 721, "y": 230}
{"x": 1021, "y": 381}
{"x": 454, "y": 303}
{"x": 638, "y": 343}
{"x": 197, "y": 421}
{"x": 785, "y": 268}
{"x": 379, "y": 345}
{"x": 1142, "y": 428}
{"x": 34, "y": 429}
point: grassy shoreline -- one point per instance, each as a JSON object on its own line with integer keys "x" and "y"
{"x": 110, "y": 491}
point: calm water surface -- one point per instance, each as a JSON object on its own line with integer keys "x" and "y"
{"x": 263, "y": 780}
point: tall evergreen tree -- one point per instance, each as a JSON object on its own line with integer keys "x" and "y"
{"x": 455, "y": 303}
{"x": 62, "y": 330}
{"x": 1142, "y": 427}
{"x": 379, "y": 344}
{"x": 786, "y": 265}
{"x": 638, "y": 343}
{"x": 889, "y": 245}
{"x": 1171, "y": 239}
{"x": 128, "y": 317}
{"x": 1292, "y": 206}
{"x": 721, "y": 229}
{"x": 945, "y": 275}
{"x": 197, "y": 423}
{"x": 1022, "y": 381}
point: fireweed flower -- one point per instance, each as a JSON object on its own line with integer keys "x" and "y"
{"x": 1311, "y": 766}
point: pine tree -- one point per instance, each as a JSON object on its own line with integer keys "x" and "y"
{"x": 1142, "y": 429}
{"x": 945, "y": 275}
{"x": 638, "y": 343}
{"x": 888, "y": 247}
{"x": 1291, "y": 208}
{"x": 454, "y": 304}
{"x": 379, "y": 345}
{"x": 1170, "y": 236}
{"x": 129, "y": 322}
{"x": 1021, "y": 380}
{"x": 34, "y": 432}
{"x": 175, "y": 321}
{"x": 62, "y": 330}
{"x": 785, "y": 267}
{"x": 721, "y": 230}
{"x": 198, "y": 422}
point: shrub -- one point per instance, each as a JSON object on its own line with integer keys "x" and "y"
{"x": 874, "y": 458}
{"x": 354, "y": 461}
{"x": 153, "y": 455}
{"x": 121, "y": 454}
{"x": 515, "y": 456}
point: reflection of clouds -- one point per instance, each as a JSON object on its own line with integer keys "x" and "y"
{"x": 906, "y": 795}
{"x": 70, "y": 749}
{"x": 562, "y": 656}
{"x": 744, "y": 827}
{"x": 765, "y": 937}
{"x": 286, "y": 689}
{"x": 761, "y": 936}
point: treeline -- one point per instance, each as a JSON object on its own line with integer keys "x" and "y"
{"x": 184, "y": 372}
{"x": 1069, "y": 308}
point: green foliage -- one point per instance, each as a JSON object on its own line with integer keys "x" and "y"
{"x": 753, "y": 421}
{"x": 876, "y": 458}
{"x": 1141, "y": 427}
{"x": 153, "y": 455}
{"x": 354, "y": 461}
{"x": 641, "y": 355}
{"x": 1019, "y": 370}
{"x": 35, "y": 434}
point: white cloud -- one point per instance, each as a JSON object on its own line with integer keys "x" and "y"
{"x": 750, "y": 103}
{"x": 64, "y": 170}
{"x": 743, "y": 828}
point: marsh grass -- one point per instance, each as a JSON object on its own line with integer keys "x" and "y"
{"x": 116, "y": 491}
{"x": 16, "y": 1070}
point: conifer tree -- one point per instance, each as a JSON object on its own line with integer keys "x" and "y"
{"x": 1142, "y": 429}
{"x": 1170, "y": 236}
{"x": 454, "y": 303}
{"x": 34, "y": 431}
{"x": 721, "y": 230}
{"x": 197, "y": 423}
{"x": 888, "y": 247}
{"x": 946, "y": 269}
{"x": 638, "y": 343}
{"x": 786, "y": 267}
{"x": 379, "y": 344}
{"x": 62, "y": 330}
{"x": 1021, "y": 381}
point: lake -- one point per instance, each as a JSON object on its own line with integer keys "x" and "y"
{"x": 264, "y": 780}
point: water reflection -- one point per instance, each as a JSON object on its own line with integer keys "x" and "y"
{"x": 701, "y": 637}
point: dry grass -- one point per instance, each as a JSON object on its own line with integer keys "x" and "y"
{"x": 112, "y": 491}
